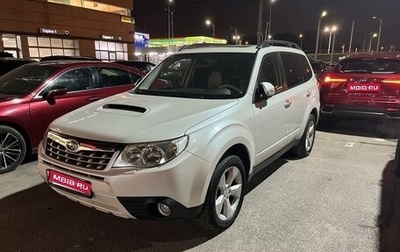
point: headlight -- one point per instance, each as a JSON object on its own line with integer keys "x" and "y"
{"x": 147, "y": 155}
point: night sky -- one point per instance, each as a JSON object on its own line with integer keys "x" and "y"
{"x": 288, "y": 16}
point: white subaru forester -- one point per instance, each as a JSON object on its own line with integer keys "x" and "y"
{"x": 184, "y": 143}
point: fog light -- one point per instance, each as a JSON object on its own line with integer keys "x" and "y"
{"x": 164, "y": 209}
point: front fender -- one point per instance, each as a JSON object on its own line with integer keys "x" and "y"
{"x": 212, "y": 142}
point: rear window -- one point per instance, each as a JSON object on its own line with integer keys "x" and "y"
{"x": 383, "y": 66}
{"x": 294, "y": 74}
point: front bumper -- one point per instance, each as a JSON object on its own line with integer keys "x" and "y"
{"x": 181, "y": 184}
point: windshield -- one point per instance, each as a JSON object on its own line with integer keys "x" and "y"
{"x": 203, "y": 76}
{"x": 384, "y": 66}
{"x": 24, "y": 79}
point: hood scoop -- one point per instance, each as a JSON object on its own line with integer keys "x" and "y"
{"x": 125, "y": 107}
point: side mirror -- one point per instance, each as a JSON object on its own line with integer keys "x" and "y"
{"x": 268, "y": 89}
{"x": 55, "y": 91}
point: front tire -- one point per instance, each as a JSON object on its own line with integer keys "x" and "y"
{"x": 12, "y": 149}
{"x": 303, "y": 149}
{"x": 225, "y": 193}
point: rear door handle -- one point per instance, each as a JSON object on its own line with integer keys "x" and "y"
{"x": 287, "y": 104}
{"x": 308, "y": 93}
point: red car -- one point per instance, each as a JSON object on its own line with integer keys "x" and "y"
{"x": 365, "y": 85}
{"x": 35, "y": 94}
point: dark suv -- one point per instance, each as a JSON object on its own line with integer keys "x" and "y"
{"x": 33, "y": 95}
{"x": 8, "y": 63}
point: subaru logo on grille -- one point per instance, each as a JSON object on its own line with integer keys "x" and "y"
{"x": 72, "y": 145}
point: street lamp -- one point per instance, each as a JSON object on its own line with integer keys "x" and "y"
{"x": 269, "y": 20}
{"x": 301, "y": 40}
{"x": 259, "y": 25}
{"x": 170, "y": 20}
{"x": 373, "y": 35}
{"x": 323, "y": 14}
{"x": 208, "y": 22}
{"x": 331, "y": 30}
{"x": 379, "y": 32}
{"x": 236, "y": 34}
{"x": 236, "y": 38}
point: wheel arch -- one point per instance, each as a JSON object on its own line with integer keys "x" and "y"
{"x": 315, "y": 113}
{"x": 242, "y": 152}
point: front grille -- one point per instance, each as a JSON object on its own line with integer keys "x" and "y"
{"x": 89, "y": 159}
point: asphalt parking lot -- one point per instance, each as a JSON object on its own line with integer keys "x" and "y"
{"x": 343, "y": 197}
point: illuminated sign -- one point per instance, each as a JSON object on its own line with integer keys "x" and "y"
{"x": 110, "y": 37}
{"x": 141, "y": 39}
{"x": 125, "y": 19}
{"x": 53, "y": 31}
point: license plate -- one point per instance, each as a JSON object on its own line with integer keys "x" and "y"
{"x": 70, "y": 183}
{"x": 376, "y": 87}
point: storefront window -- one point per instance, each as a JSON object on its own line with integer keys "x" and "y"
{"x": 32, "y": 41}
{"x": 93, "y": 5}
{"x": 44, "y": 42}
{"x": 40, "y": 47}
{"x": 56, "y": 42}
{"x": 12, "y": 44}
{"x": 110, "y": 50}
{"x": 34, "y": 52}
{"x": 44, "y": 52}
{"x": 57, "y": 51}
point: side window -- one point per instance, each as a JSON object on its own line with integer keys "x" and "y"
{"x": 269, "y": 72}
{"x": 294, "y": 75}
{"x": 75, "y": 80}
{"x": 305, "y": 67}
{"x": 134, "y": 77}
{"x": 114, "y": 77}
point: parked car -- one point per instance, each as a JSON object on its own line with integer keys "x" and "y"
{"x": 34, "y": 94}
{"x": 144, "y": 66}
{"x": 363, "y": 85}
{"x": 320, "y": 67}
{"x": 8, "y": 63}
{"x": 184, "y": 143}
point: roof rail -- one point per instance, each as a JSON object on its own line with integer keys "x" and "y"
{"x": 267, "y": 43}
{"x": 208, "y": 45}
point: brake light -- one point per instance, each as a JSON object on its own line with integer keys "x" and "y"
{"x": 391, "y": 81}
{"x": 329, "y": 79}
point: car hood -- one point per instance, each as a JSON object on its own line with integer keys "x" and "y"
{"x": 129, "y": 118}
{"x": 4, "y": 98}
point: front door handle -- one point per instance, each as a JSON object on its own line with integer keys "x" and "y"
{"x": 287, "y": 104}
{"x": 94, "y": 98}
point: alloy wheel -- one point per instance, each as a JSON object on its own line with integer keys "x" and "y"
{"x": 10, "y": 150}
{"x": 228, "y": 194}
{"x": 310, "y": 136}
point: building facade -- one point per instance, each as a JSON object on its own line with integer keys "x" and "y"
{"x": 39, "y": 28}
